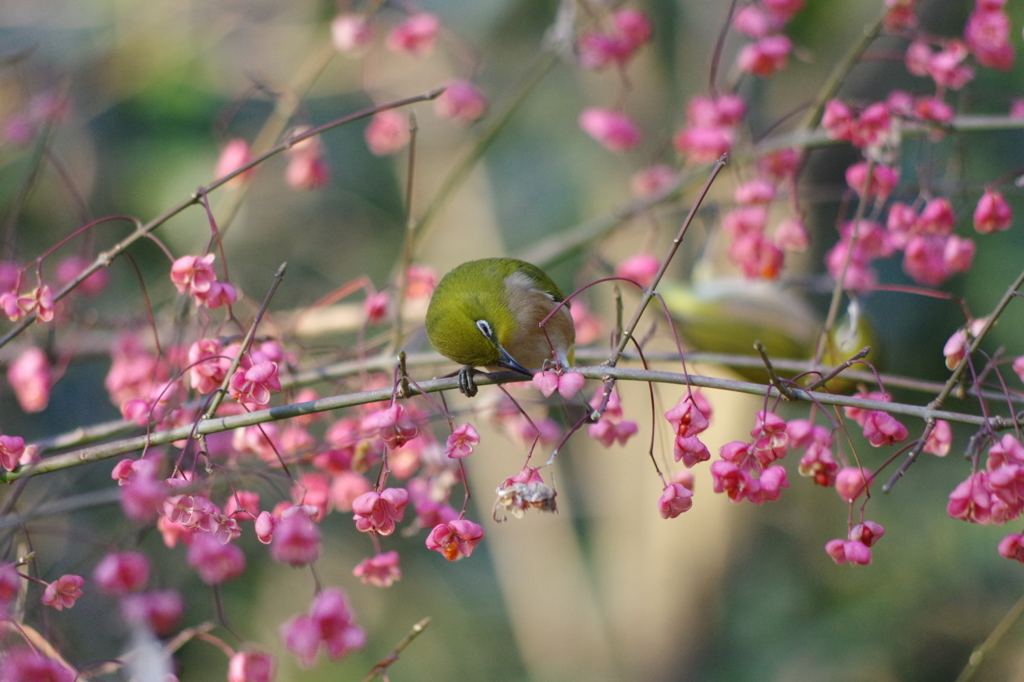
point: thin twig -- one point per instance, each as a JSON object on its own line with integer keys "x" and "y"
{"x": 382, "y": 665}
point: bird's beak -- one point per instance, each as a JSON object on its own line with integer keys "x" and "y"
{"x": 508, "y": 362}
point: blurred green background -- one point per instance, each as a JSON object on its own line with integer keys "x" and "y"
{"x": 606, "y": 590}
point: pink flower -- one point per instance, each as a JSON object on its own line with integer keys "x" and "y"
{"x": 766, "y": 56}
{"x": 193, "y": 275}
{"x": 387, "y": 133}
{"x": 632, "y": 26}
{"x": 160, "y": 610}
{"x": 567, "y": 384}
{"x": 29, "y": 376}
{"x": 71, "y": 267}
{"x": 946, "y": 66}
{"x": 881, "y": 428}
{"x": 752, "y": 21}
{"x": 940, "y": 439}
{"x": 251, "y": 666}
{"x": 264, "y": 527}
{"x": 769, "y": 485}
{"x": 837, "y": 120}
{"x": 687, "y": 418}
{"x": 613, "y": 129}
{"x": 845, "y": 551}
{"x": 381, "y": 570}
{"x": 393, "y": 424}
{"x": 63, "y": 591}
{"x": 607, "y": 431}
{"x": 296, "y": 540}
{"x": 10, "y": 584}
{"x": 971, "y": 500}
{"x": 988, "y": 35}
{"x": 690, "y": 450}
{"x": 851, "y": 482}
{"x": 307, "y": 172}
{"x": 640, "y": 268}
{"x": 415, "y": 36}
{"x": 900, "y": 17}
{"x": 460, "y": 443}
{"x": 455, "y": 539}
{"x": 924, "y": 259}
{"x": 350, "y": 33}
{"x": 121, "y": 573}
{"x": 674, "y": 500}
{"x": 253, "y": 386}
{"x": 142, "y": 497}
{"x": 30, "y": 666}
{"x": 937, "y": 217}
{"x": 992, "y": 213}
{"x": 234, "y": 155}
{"x": 883, "y": 180}
{"x": 704, "y": 144}
{"x": 791, "y": 235}
{"x": 958, "y": 253}
{"x": 933, "y": 109}
{"x": 819, "y": 465}
{"x": 334, "y": 620}
{"x": 755, "y": 192}
{"x": 867, "y": 533}
{"x": 461, "y": 101}
{"x": 302, "y": 637}
{"x": 215, "y": 561}
{"x": 648, "y": 182}
{"x": 11, "y": 450}
{"x": 731, "y": 480}
{"x": 1012, "y": 547}
{"x": 378, "y": 512}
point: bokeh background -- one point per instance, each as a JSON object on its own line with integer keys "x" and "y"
{"x": 606, "y": 589}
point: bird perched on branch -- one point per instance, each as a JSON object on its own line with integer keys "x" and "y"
{"x": 487, "y": 313}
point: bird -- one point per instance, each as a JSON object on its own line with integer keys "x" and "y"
{"x": 487, "y": 313}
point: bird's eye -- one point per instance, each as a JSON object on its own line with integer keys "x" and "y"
{"x": 485, "y": 329}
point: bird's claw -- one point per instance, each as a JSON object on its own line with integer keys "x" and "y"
{"x": 466, "y": 384}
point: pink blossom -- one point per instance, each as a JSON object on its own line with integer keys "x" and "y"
{"x": 745, "y": 221}
{"x": 872, "y": 126}
{"x": 30, "y": 377}
{"x": 933, "y": 109}
{"x": 378, "y": 512}
{"x": 837, "y": 120}
{"x": 957, "y": 345}
{"x": 380, "y": 570}
{"x": 731, "y": 480}
{"x": 301, "y": 636}
{"x": 307, "y": 172}
{"x": 415, "y": 36}
{"x": 455, "y": 539}
{"x": 193, "y": 275}
{"x": 648, "y": 182}
{"x": 988, "y": 35}
{"x": 160, "y": 610}
{"x": 350, "y": 33}
{"x": 1016, "y": 108}
{"x": 867, "y": 533}
{"x": 779, "y": 166}
{"x": 234, "y": 155}
{"x": 71, "y": 267}
{"x": 846, "y": 551}
{"x": 393, "y": 424}
{"x": 1008, "y": 450}
{"x": 757, "y": 256}
{"x": 63, "y": 592}
{"x": 755, "y": 192}
{"x": 791, "y": 235}
{"x": 251, "y": 666}
{"x": 264, "y": 527}
{"x": 461, "y": 101}
{"x": 937, "y": 217}
{"x": 992, "y": 213}
{"x": 607, "y": 431}
{"x": 769, "y": 485}
{"x": 10, "y": 584}
{"x": 971, "y": 500}
{"x": 738, "y": 452}
{"x": 674, "y": 500}
{"x": 215, "y": 561}
{"x": 819, "y": 465}
{"x": 633, "y": 26}
{"x": 940, "y": 439}
{"x": 946, "y": 66}
{"x": 613, "y": 129}
{"x": 30, "y": 666}
{"x": 704, "y": 144}
{"x": 690, "y": 450}
{"x": 958, "y": 253}
{"x": 346, "y": 487}
{"x": 1012, "y": 547}
{"x": 686, "y": 418}
{"x": 142, "y": 497}
{"x": 640, "y": 268}
{"x": 38, "y": 302}
{"x": 567, "y": 384}
{"x": 851, "y": 482}
{"x": 783, "y": 10}
{"x": 387, "y": 133}
{"x": 924, "y": 259}
{"x": 588, "y": 325}
{"x": 881, "y": 428}
{"x": 901, "y": 16}
{"x": 121, "y": 573}
{"x": 209, "y": 366}
{"x": 883, "y": 180}
{"x": 460, "y": 443}
{"x": 752, "y": 21}
{"x": 296, "y": 540}
{"x": 766, "y": 56}
{"x": 335, "y": 622}
{"x": 253, "y": 386}
{"x": 11, "y": 450}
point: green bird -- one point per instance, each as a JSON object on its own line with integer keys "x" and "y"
{"x": 487, "y": 313}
